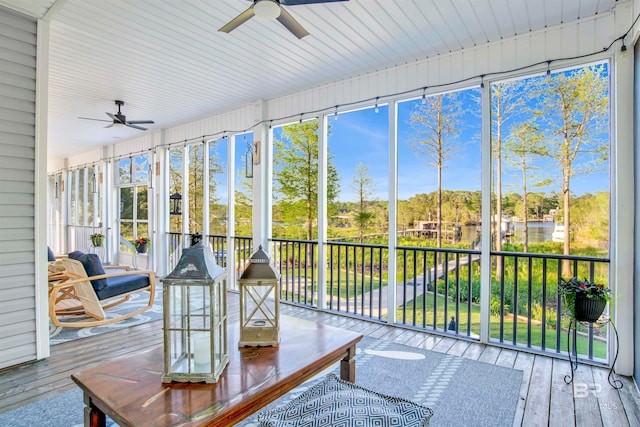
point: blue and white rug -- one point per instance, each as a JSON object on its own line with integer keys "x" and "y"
{"x": 136, "y": 301}
{"x": 460, "y": 391}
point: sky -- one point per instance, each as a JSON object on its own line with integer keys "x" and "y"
{"x": 362, "y": 136}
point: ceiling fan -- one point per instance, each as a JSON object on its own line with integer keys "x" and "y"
{"x": 120, "y": 119}
{"x": 272, "y": 9}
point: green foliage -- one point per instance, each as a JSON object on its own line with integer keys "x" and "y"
{"x": 295, "y": 176}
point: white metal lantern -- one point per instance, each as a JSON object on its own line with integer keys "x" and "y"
{"x": 195, "y": 318}
{"x": 259, "y": 303}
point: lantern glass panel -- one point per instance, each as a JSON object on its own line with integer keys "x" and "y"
{"x": 196, "y": 323}
{"x": 259, "y": 305}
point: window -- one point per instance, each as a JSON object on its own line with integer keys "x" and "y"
{"x": 218, "y": 184}
{"x": 133, "y": 178}
{"x": 358, "y": 176}
{"x": 295, "y": 180}
{"x": 243, "y": 187}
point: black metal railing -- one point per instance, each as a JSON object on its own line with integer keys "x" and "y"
{"x": 296, "y": 261}
{"x": 439, "y": 290}
{"x": 218, "y": 245}
{"x": 356, "y": 279}
{"x": 527, "y": 308}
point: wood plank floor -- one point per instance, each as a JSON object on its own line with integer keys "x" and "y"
{"x": 544, "y": 397}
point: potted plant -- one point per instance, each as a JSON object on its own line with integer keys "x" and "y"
{"x": 585, "y": 300}
{"x": 141, "y": 244}
{"x": 96, "y": 239}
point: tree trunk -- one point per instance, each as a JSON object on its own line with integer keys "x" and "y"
{"x": 566, "y": 266}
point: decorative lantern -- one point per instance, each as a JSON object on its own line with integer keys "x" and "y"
{"x": 175, "y": 202}
{"x": 195, "y": 318}
{"x": 259, "y": 303}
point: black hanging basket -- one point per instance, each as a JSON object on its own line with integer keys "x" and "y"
{"x": 142, "y": 248}
{"x": 589, "y": 309}
{"x": 96, "y": 242}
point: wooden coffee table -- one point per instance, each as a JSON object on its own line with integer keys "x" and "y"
{"x": 129, "y": 389}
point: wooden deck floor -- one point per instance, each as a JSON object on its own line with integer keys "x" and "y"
{"x": 544, "y": 397}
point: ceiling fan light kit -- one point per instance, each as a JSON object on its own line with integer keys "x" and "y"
{"x": 266, "y": 9}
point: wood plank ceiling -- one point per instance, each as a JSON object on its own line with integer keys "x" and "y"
{"x": 168, "y": 62}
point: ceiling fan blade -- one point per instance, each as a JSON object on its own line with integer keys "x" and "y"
{"x": 109, "y": 126}
{"x": 238, "y": 20}
{"x": 134, "y": 126}
{"x": 139, "y": 122}
{"x": 97, "y": 120}
{"x": 291, "y": 24}
{"x": 297, "y": 2}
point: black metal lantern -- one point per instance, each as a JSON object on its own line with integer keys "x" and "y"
{"x": 175, "y": 201}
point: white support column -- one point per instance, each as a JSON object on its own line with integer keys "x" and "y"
{"x": 622, "y": 220}
{"x": 163, "y": 216}
{"x": 231, "y": 213}
{"x": 321, "y": 284}
{"x": 206, "y": 220}
{"x": 261, "y": 213}
{"x": 185, "y": 195}
{"x": 485, "y": 236}
{"x": 40, "y": 190}
{"x": 393, "y": 213}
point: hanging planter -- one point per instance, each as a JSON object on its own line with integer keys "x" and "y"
{"x": 141, "y": 245}
{"x": 589, "y": 309}
{"x": 96, "y": 240}
{"x": 585, "y": 300}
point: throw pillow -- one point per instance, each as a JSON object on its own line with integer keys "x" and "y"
{"x": 335, "y": 402}
{"x": 92, "y": 266}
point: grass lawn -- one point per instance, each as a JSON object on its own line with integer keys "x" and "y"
{"x": 599, "y": 346}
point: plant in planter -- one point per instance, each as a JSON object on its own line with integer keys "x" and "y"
{"x": 585, "y": 300}
{"x": 141, "y": 244}
{"x": 97, "y": 239}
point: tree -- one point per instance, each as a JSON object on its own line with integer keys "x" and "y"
{"x": 217, "y": 209}
{"x": 296, "y": 176}
{"x": 436, "y": 123}
{"x": 506, "y": 100}
{"x": 362, "y": 185}
{"x": 521, "y": 149}
{"x": 196, "y": 187}
{"x": 574, "y": 108}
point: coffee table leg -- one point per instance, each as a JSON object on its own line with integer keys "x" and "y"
{"x": 348, "y": 365}
{"x": 93, "y": 416}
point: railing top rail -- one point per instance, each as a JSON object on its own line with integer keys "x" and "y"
{"x": 446, "y": 250}
{"x": 360, "y": 245}
{"x": 552, "y": 256}
{"x": 222, "y": 236}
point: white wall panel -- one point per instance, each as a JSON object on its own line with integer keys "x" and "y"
{"x": 17, "y": 188}
{"x": 569, "y": 40}
{"x": 234, "y": 121}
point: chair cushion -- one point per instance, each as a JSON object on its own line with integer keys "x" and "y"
{"x": 50, "y": 255}
{"x": 92, "y": 266}
{"x": 121, "y": 284}
{"x": 334, "y": 402}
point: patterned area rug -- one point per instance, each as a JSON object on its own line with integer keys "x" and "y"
{"x": 460, "y": 391}
{"x": 137, "y": 300}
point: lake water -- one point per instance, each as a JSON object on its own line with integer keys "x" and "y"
{"x": 538, "y": 232}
